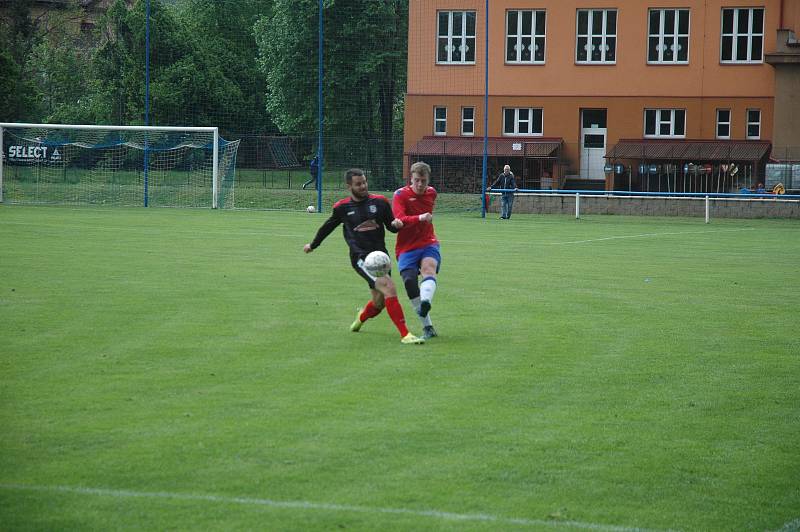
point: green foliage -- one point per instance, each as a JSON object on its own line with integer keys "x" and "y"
{"x": 18, "y": 95}
{"x": 19, "y": 30}
{"x": 202, "y": 70}
{"x": 365, "y": 47}
{"x": 202, "y": 66}
{"x": 249, "y": 67}
{"x": 364, "y": 72}
{"x": 288, "y": 57}
{"x": 23, "y": 38}
{"x": 118, "y": 95}
{"x": 226, "y": 49}
{"x": 63, "y": 72}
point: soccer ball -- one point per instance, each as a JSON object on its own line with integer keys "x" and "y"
{"x": 378, "y": 263}
{"x": 311, "y": 208}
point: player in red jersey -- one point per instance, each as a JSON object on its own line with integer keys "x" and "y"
{"x": 365, "y": 216}
{"x": 417, "y": 248}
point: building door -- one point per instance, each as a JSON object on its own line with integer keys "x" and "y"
{"x": 593, "y": 143}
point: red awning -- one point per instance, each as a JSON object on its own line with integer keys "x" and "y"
{"x": 473, "y": 147}
{"x": 689, "y": 150}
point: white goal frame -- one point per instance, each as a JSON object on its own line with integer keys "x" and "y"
{"x": 214, "y": 130}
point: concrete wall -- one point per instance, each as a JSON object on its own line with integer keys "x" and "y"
{"x": 654, "y": 206}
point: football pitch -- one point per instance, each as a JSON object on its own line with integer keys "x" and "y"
{"x": 179, "y": 369}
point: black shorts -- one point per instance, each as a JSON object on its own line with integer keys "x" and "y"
{"x": 357, "y": 262}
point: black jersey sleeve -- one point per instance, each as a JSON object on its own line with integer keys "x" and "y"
{"x": 326, "y": 228}
{"x": 387, "y": 216}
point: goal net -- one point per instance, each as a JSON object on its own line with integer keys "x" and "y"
{"x": 116, "y": 165}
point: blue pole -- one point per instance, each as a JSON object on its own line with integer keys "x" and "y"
{"x": 485, "y": 113}
{"x": 146, "y": 94}
{"x": 320, "y": 114}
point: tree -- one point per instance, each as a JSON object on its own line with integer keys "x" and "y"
{"x": 288, "y": 58}
{"x": 24, "y": 36}
{"x": 202, "y": 64}
{"x": 365, "y": 66}
{"x": 61, "y": 65}
{"x": 18, "y": 96}
{"x": 118, "y": 66}
{"x": 223, "y": 34}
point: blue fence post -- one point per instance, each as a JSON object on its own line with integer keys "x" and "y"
{"x": 485, "y": 112}
{"x": 146, "y": 96}
{"x": 320, "y": 113}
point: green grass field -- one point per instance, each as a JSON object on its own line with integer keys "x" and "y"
{"x": 177, "y": 369}
{"x": 245, "y": 195}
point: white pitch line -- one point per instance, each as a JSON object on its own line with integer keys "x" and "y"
{"x": 650, "y": 234}
{"x": 307, "y": 505}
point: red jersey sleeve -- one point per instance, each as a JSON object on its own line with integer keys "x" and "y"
{"x": 400, "y": 207}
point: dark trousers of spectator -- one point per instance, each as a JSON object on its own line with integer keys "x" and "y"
{"x": 506, "y": 204}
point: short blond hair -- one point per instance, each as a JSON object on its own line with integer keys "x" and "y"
{"x": 421, "y": 168}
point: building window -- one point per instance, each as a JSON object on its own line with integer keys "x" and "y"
{"x": 742, "y": 35}
{"x": 525, "y": 36}
{"x": 440, "y": 120}
{"x": 668, "y": 36}
{"x": 522, "y": 121}
{"x": 468, "y": 121}
{"x": 597, "y": 36}
{"x": 665, "y": 122}
{"x": 456, "y": 37}
{"x": 723, "y": 123}
{"x": 754, "y": 124}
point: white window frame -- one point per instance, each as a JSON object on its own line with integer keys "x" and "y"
{"x": 439, "y": 120}
{"x": 661, "y": 120}
{"x": 452, "y": 41}
{"x": 465, "y": 120}
{"x": 529, "y": 132}
{"x": 534, "y": 37}
{"x": 721, "y": 122}
{"x": 604, "y": 36}
{"x": 751, "y": 123}
{"x": 734, "y": 35}
{"x": 675, "y": 36}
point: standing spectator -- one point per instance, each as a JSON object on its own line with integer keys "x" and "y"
{"x": 508, "y": 185}
{"x": 313, "y": 169}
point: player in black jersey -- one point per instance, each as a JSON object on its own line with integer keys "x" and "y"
{"x": 364, "y": 217}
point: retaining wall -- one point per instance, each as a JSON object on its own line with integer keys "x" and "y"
{"x": 727, "y": 207}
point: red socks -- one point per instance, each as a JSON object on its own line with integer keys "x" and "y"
{"x": 396, "y": 313}
{"x": 370, "y": 311}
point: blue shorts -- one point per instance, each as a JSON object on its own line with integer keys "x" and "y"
{"x": 413, "y": 259}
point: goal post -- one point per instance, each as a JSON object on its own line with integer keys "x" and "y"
{"x": 115, "y": 165}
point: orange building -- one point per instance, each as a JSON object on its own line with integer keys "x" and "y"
{"x": 624, "y": 94}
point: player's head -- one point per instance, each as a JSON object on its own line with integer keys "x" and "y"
{"x": 420, "y": 176}
{"x": 506, "y": 169}
{"x": 356, "y": 183}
